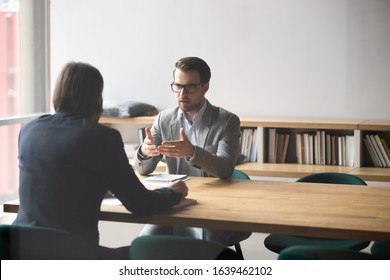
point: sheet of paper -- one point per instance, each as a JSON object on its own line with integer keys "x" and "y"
{"x": 163, "y": 179}
{"x": 184, "y": 202}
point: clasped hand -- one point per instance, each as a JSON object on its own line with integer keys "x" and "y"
{"x": 175, "y": 148}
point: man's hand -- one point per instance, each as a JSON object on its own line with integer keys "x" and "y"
{"x": 148, "y": 149}
{"x": 181, "y": 187}
{"x": 178, "y": 148}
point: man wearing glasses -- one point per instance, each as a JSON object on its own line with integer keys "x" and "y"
{"x": 195, "y": 138}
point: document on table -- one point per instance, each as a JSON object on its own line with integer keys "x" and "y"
{"x": 184, "y": 202}
{"x": 163, "y": 179}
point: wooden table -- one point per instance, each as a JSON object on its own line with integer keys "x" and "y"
{"x": 306, "y": 209}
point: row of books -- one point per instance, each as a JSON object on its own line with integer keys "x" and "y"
{"x": 277, "y": 146}
{"x": 248, "y": 144}
{"x": 317, "y": 147}
{"x": 322, "y": 148}
{"x": 378, "y": 150}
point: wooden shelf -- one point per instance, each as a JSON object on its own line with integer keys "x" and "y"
{"x": 375, "y": 125}
{"x": 135, "y": 120}
{"x": 299, "y": 123}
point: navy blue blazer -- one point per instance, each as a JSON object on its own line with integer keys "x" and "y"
{"x": 66, "y": 166}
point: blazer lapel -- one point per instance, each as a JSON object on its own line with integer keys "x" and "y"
{"x": 205, "y": 125}
{"x": 174, "y": 127}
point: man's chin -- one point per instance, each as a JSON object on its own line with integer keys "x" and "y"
{"x": 185, "y": 107}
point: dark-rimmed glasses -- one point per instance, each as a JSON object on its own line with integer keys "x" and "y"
{"x": 191, "y": 88}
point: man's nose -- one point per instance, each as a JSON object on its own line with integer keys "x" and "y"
{"x": 183, "y": 91}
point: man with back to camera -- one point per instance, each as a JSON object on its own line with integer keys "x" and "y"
{"x": 68, "y": 162}
{"x": 195, "y": 138}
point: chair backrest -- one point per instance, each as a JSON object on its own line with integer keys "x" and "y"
{"x": 168, "y": 247}
{"x": 238, "y": 174}
{"x": 381, "y": 250}
{"x": 307, "y": 252}
{"x": 20, "y": 242}
{"x": 332, "y": 178}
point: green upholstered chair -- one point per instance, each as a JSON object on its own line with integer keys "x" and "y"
{"x": 170, "y": 247}
{"x": 278, "y": 242}
{"x": 305, "y": 252}
{"x": 381, "y": 250}
{"x": 238, "y": 174}
{"x": 19, "y": 242}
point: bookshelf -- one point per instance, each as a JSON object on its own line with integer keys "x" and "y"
{"x": 136, "y": 120}
{"x": 362, "y": 164}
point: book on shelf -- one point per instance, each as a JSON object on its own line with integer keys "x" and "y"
{"x": 328, "y": 149}
{"x": 298, "y": 148}
{"x": 349, "y": 150}
{"x": 340, "y": 151}
{"x": 311, "y": 148}
{"x": 248, "y": 144}
{"x": 371, "y": 151}
{"x": 334, "y": 143}
{"x": 382, "y": 150}
{"x": 272, "y": 145}
{"x": 254, "y": 147}
{"x": 323, "y": 147}
{"x": 307, "y": 152}
{"x": 377, "y": 149}
{"x": 285, "y": 147}
{"x": 277, "y": 146}
{"x": 319, "y": 147}
{"x": 243, "y": 140}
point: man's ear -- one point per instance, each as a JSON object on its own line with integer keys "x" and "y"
{"x": 206, "y": 87}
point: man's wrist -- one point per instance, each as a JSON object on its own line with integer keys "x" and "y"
{"x": 189, "y": 159}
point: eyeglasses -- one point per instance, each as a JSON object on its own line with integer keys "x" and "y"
{"x": 191, "y": 88}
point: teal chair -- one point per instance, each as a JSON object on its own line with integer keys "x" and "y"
{"x": 277, "y": 242}
{"x": 379, "y": 251}
{"x": 238, "y": 174}
{"x": 18, "y": 242}
{"x": 170, "y": 247}
{"x": 304, "y": 252}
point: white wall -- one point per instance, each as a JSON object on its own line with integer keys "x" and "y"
{"x": 285, "y": 58}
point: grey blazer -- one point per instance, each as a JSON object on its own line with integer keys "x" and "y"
{"x": 216, "y": 151}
